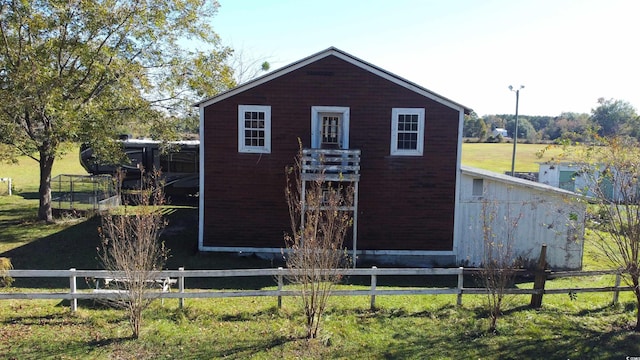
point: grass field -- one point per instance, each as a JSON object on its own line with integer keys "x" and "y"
{"x": 402, "y": 327}
{"x": 497, "y": 157}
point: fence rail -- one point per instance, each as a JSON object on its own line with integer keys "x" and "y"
{"x": 280, "y": 274}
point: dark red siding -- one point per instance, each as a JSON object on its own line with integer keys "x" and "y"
{"x": 405, "y": 202}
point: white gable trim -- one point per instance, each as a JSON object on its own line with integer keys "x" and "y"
{"x": 346, "y": 57}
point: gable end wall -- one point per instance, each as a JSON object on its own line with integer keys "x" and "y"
{"x": 405, "y": 203}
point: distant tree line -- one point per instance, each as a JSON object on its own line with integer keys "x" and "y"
{"x": 610, "y": 117}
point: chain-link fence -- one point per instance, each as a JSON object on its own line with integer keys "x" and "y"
{"x": 83, "y": 192}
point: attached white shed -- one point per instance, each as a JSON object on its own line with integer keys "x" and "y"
{"x": 495, "y": 207}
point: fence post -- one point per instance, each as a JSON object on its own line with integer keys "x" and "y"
{"x": 181, "y": 288}
{"x": 73, "y": 290}
{"x": 540, "y": 278}
{"x": 374, "y": 281}
{"x": 616, "y": 292}
{"x": 460, "y": 285}
{"x": 280, "y": 285}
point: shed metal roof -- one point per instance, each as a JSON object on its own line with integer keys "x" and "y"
{"x": 511, "y": 180}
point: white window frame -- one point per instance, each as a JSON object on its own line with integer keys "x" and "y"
{"x": 395, "y": 113}
{"x": 316, "y": 124}
{"x": 242, "y": 147}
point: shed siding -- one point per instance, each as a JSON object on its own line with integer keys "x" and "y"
{"x": 542, "y": 217}
{"x": 405, "y": 203}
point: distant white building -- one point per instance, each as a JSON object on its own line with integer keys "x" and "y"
{"x": 500, "y": 131}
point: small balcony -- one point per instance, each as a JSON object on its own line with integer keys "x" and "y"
{"x": 331, "y": 165}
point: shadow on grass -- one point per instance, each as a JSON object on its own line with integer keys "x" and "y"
{"x": 242, "y": 349}
{"x": 249, "y": 315}
{"x": 110, "y": 341}
{"x": 33, "y": 195}
{"x": 77, "y": 246}
{"x": 72, "y": 247}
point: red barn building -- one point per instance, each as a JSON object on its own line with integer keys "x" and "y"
{"x": 402, "y": 140}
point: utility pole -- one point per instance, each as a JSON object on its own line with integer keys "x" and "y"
{"x": 515, "y": 131}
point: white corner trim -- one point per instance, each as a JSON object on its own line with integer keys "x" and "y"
{"x": 201, "y": 184}
{"x": 457, "y": 232}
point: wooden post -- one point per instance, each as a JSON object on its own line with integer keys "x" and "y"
{"x": 616, "y": 292}
{"x": 460, "y": 285}
{"x": 540, "y": 278}
{"x": 181, "y": 288}
{"x": 374, "y": 280}
{"x": 73, "y": 290}
{"x": 280, "y": 286}
{"x": 355, "y": 224}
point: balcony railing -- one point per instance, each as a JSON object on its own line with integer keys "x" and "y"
{"x": 331, "y": 164}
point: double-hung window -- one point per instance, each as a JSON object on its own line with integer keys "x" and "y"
{"x": 254, "y": 129}
{"x": 407, "y": 131}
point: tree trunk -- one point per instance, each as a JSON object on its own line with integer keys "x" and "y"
{"x": 637, "y": 328}
{"x": 46, "y": 167}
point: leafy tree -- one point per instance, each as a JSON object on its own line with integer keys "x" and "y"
{"x": 614, "y": 117}
{"x": 494, "y": 121}
{"x": 573, "y": 125}
{"x": 539, "y": 122}
{"x": 5, "y": 266}
{"x": 82, "y": 70}
{"x": 475, "y": 127}
{"x": 525, "y": 129}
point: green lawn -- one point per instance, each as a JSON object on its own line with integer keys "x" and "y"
{"x": 497, "y": 157}
{"x": 402, "y": 327}
{"x": 25, "y": 173}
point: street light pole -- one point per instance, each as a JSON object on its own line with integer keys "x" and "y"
{"x": 515, "y": 131}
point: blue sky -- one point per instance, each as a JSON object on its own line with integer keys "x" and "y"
{"x": 567, "y": 53}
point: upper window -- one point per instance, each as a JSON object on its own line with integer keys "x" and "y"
{"x": 329, "y": 127}
{"x": 254, "y": 129}
{"x": 407, "y": 131}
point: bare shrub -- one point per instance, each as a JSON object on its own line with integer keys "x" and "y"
{"x": 319, "y": 224}
{"x": 131, "y": 249}
{"x": 5, "y": 266}
{"x": 500, "y": 263}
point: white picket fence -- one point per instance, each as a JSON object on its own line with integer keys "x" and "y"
{"x": 279, "y": 275}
